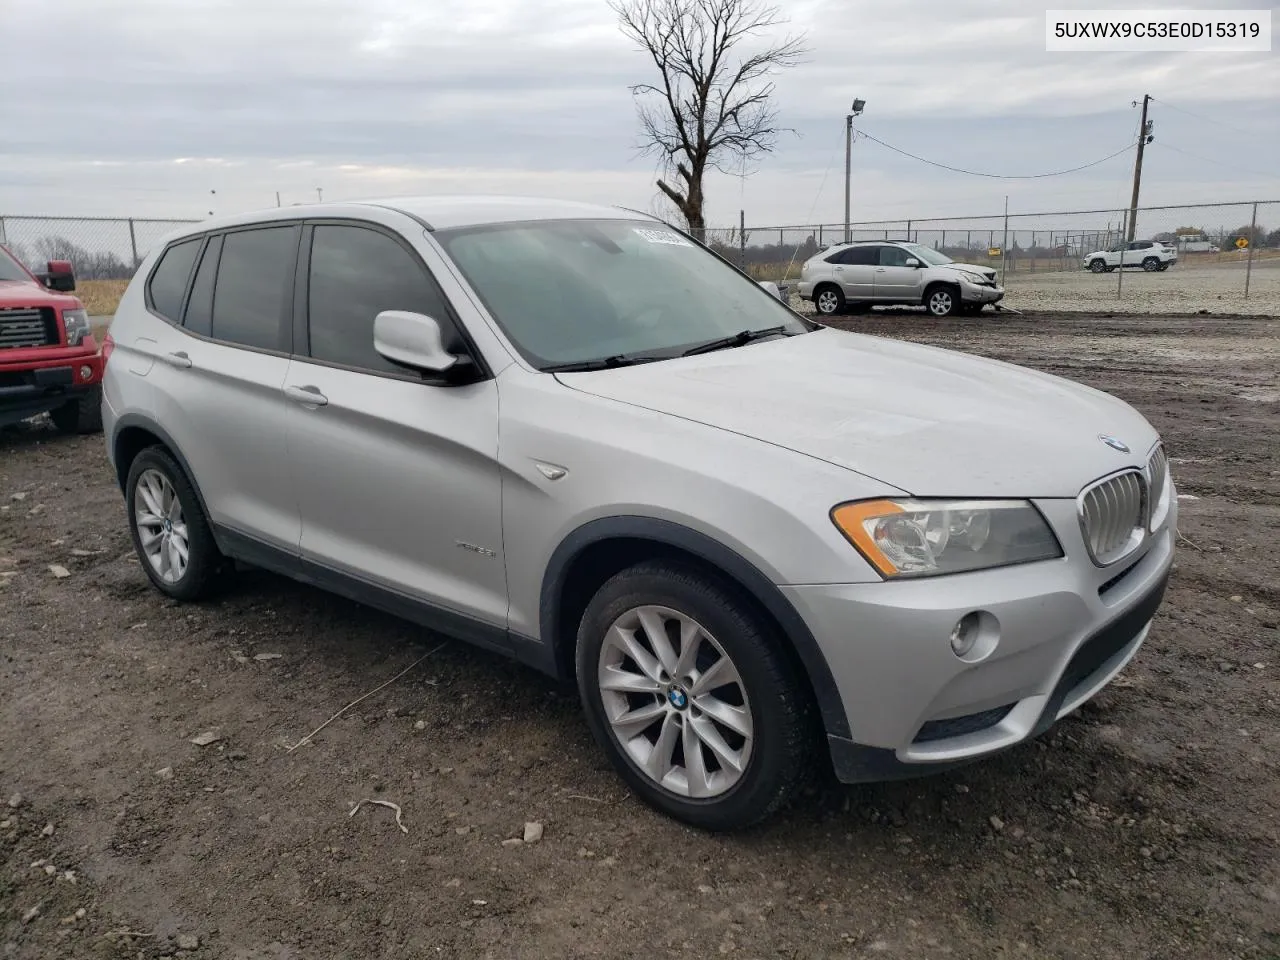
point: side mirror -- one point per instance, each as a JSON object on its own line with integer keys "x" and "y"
{"x": 411, "y": 340}
{"x": 912, "y": 262}
{"x": 772, "y": 288}
{"x": 59, "y": 276}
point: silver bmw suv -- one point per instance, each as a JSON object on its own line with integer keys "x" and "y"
{"x": 573, "y": 435}
{"x": 887, "y": 272}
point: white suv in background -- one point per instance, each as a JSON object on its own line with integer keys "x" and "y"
{"x": 1150, "y": 255}
{"x": 895, "y": 272}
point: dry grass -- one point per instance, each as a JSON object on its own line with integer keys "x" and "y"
{"x": 100, "y": 297}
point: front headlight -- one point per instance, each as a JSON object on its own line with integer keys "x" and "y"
{"x": 927, "y": 538}
{"x": 76, "y": 323}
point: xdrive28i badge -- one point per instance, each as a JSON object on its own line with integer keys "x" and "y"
{"x": 1113, "y": 443}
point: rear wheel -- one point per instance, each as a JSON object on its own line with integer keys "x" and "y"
{"x": 942, "y": 300}
{"x": 170, "y": 532}
{"x": 689, "y": 692}
{"x": 81, "y": 415}
{"x": 1151, "y": 264}
{"x": 828, "y": 300}
{"x": 1165, "y": 266}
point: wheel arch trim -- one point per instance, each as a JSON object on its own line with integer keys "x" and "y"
{"x": 140, "y": 422}
{"x": 716, "y": 554}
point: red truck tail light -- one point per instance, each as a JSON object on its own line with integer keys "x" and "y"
{"x": 107, "y": 346}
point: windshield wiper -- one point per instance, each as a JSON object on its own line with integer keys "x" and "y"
{"x": 739, "y": 339}
{"x": 604, "y": 363}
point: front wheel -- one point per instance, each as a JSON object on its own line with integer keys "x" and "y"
{"x": 689, "y": 692}
{"x": 942, "y": 301}
{"x": 81, "y": 415}
{"x": 828, "y": 301}
{"x": 1098, "y": 266}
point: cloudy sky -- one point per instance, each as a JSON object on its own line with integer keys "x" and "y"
{"x": 143, "y": 107}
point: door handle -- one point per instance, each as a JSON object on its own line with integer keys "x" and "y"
{"x": 879, "y": 269}
{"x": 177, "y": 359}
{"x": 308, "y": 395}
{"x": 839, "y": 269}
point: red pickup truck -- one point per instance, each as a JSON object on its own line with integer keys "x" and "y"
{"x": 49, "y": 361}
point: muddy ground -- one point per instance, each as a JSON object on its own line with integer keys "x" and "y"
{"x": 1144, "y": 826}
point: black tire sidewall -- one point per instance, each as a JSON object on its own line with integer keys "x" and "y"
{"x": 779, "y": 711}
{"x": 204, "y": 560}
{"x": 81, "y": 415}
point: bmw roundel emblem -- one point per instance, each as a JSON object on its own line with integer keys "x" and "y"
{"x": 677, "y": 698}
{"x": 1113, "y": 443}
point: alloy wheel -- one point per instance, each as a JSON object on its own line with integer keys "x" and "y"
{"x": 162, "y": 528}
{"x": 675, "y": 702}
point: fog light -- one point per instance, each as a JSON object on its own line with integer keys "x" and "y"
{"x": 965, "y": 634}
{"x": 86, "y": 373}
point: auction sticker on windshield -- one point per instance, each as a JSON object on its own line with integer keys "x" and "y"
{"x": 663, "y": 236}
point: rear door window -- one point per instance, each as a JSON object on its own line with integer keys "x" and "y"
{"x": 168, "y": 281}
{"x": 199, "y": 317}
{"x": 254, "y": 289}
{"x": 862, "y": 256}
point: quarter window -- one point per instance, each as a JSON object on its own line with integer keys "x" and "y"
{"x": 355, "y": 274}
{"x": 254, "y": 285}
{"x": 169, "y": 281}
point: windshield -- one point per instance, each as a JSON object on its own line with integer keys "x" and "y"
{"x": 928, "y": 255}
{"x": 9, "y": 269}
{"x": 572, "y": 291}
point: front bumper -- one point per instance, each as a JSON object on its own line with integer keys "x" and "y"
{"x": 1066, "y": 628}
{"x": 28, "y": 389}
{"x": 980, "y": 293}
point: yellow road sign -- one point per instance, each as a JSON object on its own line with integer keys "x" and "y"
{"x": 994, "y": 252}
{"x": 1241, "y": 243}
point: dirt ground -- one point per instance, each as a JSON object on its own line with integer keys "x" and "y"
{"x": 1145, "y": 826}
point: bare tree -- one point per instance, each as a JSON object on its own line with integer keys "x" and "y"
{"x": 709, "y": 106}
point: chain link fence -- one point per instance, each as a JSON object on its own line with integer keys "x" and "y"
{"x": 1228, "y": 254}
{"x": 99, "y": 248}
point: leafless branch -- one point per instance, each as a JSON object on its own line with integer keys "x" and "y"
{"x": 710, "y": 107}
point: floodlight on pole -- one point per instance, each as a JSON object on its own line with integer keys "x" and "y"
{"x": 854, "y": 111}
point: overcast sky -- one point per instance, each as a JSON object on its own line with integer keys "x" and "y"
{"x": 142, "y": 107}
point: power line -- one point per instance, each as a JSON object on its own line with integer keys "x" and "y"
{"x": 996, "y": 176}
{"x": 1232, "y": 166}
{"x": 1198, "y": 116}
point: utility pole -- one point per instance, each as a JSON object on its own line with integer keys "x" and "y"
{"x": 1143, "y": 139}
{"x": 319, "y": 195}
{"x": 856, "y": 110}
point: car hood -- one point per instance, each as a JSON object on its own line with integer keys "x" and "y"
{"x": 28, "y": 293}
{"x": 969, "y": 267}
{"x": 930, "y": 422}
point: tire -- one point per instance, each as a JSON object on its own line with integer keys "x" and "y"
{"x": 1151, "y": 264}
{"x": 763, "y": 696}
{"x": 81, "y": 415}
{"x": 1165, "y": 266}
{"x": 155, "y": 479}
{"x": 828, "y": 300}
{"x": 1098, "y": 265}
{"x": 942, "y": 300}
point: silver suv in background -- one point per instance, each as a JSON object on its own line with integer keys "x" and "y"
{"x": 575, "y": 436}
{"x": 1151, "y": 255}
{"x": 867, "y": 272}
